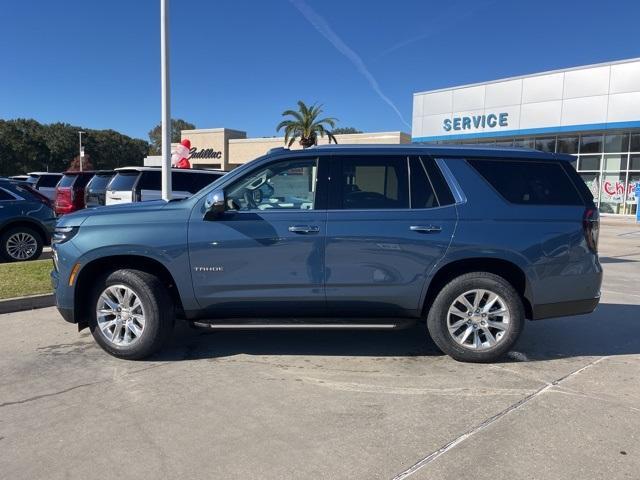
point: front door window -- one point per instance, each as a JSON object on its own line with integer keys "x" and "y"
{"x": 286, "y": 185}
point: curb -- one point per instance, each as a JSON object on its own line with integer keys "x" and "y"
{"x": 20, "y": 304}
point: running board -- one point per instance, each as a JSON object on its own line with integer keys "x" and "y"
{"x": 303, "y": 326}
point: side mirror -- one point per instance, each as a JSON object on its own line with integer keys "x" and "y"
{"x": 214, "y": 204}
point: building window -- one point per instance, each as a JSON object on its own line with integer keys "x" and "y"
{"x": 616, "y": 143}
{"x": 614, "y": 163}
{"x": 567, "y": 145}
{"x": 589, "y": 162}
{"x": 546, "y": 144}
{"x": 591, "y": 144}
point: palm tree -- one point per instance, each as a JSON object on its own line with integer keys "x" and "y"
{"x": 306, "y": 125}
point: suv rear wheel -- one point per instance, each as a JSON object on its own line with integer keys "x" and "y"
{"x": 19, "y": 244}
{"x": 477, "y": 317}
{"x": 132, "y": 314}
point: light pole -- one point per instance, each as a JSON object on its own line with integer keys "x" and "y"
{"x": 166, "y": 113}
{"x": 80, "y": 149}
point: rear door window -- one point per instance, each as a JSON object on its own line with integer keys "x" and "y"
{"x": 123, "y": 181}
{"x": 373, "y": 183}
{"x": 529, "y": 182}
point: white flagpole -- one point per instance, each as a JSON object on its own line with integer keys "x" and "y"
{"x": 166, "y": 111}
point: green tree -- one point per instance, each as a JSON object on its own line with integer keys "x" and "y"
{"x": 306, "y": 125}
{"x": 26, "y": 145}
{"x": 155, "y": 135}
{"x": 345, "y": 130}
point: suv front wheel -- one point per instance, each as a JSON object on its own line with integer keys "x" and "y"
{"x": 477, "y": 317}
{"x": 132, "y": 314}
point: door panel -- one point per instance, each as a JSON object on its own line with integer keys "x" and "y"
{"x": 265, "y": 256}
{"x": 379, "y": 251}
{"x": 377, "y": 264}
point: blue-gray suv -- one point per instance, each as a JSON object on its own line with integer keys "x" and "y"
{"x": 470, "y": 241}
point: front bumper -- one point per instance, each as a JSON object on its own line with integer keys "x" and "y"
{"x": 565, "y": 309}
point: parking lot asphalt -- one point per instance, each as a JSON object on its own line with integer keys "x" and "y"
{"x": 313, "y": 405}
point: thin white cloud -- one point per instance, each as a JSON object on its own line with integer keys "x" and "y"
{"x": 320, "y": 24}
{"x": 442, "y": 22}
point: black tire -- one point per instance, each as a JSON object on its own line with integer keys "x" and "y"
{"x": 437, "y": 317}
{"x": 20, "y": 230}
{"x": 158, "y": 312}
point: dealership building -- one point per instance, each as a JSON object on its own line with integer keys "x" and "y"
{"x": 592, "y": 112}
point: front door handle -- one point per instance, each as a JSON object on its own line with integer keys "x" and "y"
{"x": 304, "y": 228}
{"x": 425, "y": 228}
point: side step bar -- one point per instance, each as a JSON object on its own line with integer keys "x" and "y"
{"x": 303, "y": 326}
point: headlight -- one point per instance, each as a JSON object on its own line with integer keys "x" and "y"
{"x": 64, "y": 234}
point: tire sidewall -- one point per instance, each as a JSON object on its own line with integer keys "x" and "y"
{"x": 157, "y": 323}
{"x": 437, "y": 317}
{"x": 4, "y": 238}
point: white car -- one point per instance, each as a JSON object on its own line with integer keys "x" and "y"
{"x": 140, "y": 184}
{"x": 45, "y": 183}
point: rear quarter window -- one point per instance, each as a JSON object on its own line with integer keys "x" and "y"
{"x": 150, "y": 180}
{"x": 529, "y": 182}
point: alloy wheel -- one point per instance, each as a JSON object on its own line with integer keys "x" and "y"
{"x": 120, "y": 315}
{"x": 21, "y": 246}
{"x": 478, "y": 319}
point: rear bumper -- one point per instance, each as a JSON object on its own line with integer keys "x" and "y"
{"x": 565, "y": 309}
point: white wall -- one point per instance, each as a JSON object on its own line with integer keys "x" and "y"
{"x": 599, "y": 95}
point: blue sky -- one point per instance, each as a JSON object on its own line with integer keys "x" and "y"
{"x": 240, "y": 63}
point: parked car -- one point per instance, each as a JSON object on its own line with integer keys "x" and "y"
{"x": 139, "y": 184}
{"x": 45, "y": 182}
{"x": 95, "y": 191}
{"x": 26, "y": 222}
{"x": 19, "y": 178}
{"x": 70, "y": 191}
{"x": 343, "y": 236}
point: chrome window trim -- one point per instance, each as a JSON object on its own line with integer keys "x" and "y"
{"x": 458, "y": 193}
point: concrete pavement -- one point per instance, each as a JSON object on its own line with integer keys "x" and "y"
{"x": 363, "y": 405}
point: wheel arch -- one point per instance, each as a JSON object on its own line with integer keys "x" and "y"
{"x": 105, "y": 265}
{"x": 498, "y": 266}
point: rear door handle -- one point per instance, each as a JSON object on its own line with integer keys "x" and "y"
{"x": 304, "y": 228}
{"x": 425, "y": 228}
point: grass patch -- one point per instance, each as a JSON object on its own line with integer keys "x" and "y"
{"x": 25, "y": 278}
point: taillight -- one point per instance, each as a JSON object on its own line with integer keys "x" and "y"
{"x": 591, "y": 228}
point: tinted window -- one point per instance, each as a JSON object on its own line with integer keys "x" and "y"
{"x": 5, "y": 195}
{"x": 192, "y": 182}
{"x": 529, "y": 182}
{"x": 374, "y": 183}
{"x": 83, "y": 179}
{"x": 203, "y": 179}
{"x": 422, "y": 194}
{"x": 99, "y": 182}
{"x": 123, "y": 181}
{"x": 445, "y": 197}
{"x": 567, "y": 145}
{"x": 289, "y": 184}
{"x": 67, "y": 180}
{"x": 151, "y": 180}
{"x": 48, "y": 181}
